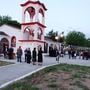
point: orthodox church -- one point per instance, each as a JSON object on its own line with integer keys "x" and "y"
{"x": 31, "y": 33}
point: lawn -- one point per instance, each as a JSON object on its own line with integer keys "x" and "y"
{"x": 58, "y": 77}
{"x": 3, "y": 63}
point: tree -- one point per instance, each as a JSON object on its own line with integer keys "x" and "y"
{"x": 75, "y": 38}
{"x": 4, "y": 19}
{"x": 0, "y": 20}
{"x": 8, "y": 20}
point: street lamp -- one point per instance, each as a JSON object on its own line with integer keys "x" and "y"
{"x": 62, "y": 37}
{"x": 61, "y": 41}
{"x": 57, "y": 38}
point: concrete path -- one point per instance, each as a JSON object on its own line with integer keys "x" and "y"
{"x": 11, "y": 73}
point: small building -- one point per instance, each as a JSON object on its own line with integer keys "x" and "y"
{"x": 9, "y": 36}
{"x": 31, "y": 33}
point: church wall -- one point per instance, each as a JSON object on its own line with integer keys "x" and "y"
{"x": 11, "y": 31}
{"x": 57, "y": 44}
{"x": 31, "y": 45}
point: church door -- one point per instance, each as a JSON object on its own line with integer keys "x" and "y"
{"x": 4, "y": 42}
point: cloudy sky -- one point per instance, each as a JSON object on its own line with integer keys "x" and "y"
{"x": 62, "y": 15}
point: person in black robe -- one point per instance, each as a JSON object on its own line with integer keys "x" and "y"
{"x": 29, "y": 56}
{"x": 40, "y": 56}
{"x": 5, "y": 50}
{"x": 25, "y": 52}
{"x": 10, "y": 53}
{"x": 34, "y": 54}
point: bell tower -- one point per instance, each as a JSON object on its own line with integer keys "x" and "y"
{"x": 33, "y": 22}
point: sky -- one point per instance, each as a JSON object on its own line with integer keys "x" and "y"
{"x": 62, "y": 15}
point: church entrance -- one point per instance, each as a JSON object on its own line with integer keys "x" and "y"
{"x": 3, "y": 43}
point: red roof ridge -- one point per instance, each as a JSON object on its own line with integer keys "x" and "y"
{"x": 32, "y": 23}
{"x": 35, "y": 2}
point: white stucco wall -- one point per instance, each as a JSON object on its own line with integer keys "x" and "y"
{"x": 54, "y": 43}
{"x": 11, "y": 31}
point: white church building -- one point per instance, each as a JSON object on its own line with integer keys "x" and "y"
{"x": 31, "y": 33}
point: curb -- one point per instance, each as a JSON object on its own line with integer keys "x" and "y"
{"x": 8, "y": 65}
{"x": 12, "y": 81}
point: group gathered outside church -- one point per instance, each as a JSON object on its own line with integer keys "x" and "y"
{"x": 36, "y": 55}
{"x": 29, "y": 42}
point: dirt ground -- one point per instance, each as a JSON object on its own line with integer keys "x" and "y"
{"x": 58, "y": 77}
{"x": 75, "y": 79}
{"x": 61, "y": 81}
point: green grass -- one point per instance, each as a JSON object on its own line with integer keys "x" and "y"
{"x": 77, "y": 74}
{"x": 20, "y": 86}
{"x": 52, "y": 85}
{"x": 80, "y": 85}
{"x": 4, "y": 63}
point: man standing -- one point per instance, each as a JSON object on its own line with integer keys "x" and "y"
{"x": 19, "y": 54}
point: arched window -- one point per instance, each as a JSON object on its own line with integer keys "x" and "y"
{"x": 27, "y": 17}
{"x": 26, "y": 33}
{"x": 3, "y": 43}
{"x": 41, "y": 15}
{"x": 29, "y": 14}
{"x": 27, "y": 29}
{"x": 29, "y": 33}
{"x": 13, "y": 41}
{"x": 39, "y": 33}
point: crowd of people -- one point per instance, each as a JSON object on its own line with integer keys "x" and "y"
{"x": 72, "y": 53}
{"x": 8, "y": 52}
{"x": 82, "y": 54}
{"x": 53, "y": 51}
{"x": 35, "y": 55}
{"x": 30, "y": 56}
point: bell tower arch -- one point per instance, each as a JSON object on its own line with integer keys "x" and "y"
{"x": 33, "y": 22}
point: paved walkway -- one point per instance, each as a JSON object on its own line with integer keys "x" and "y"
{"x": 11, "y": 73}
